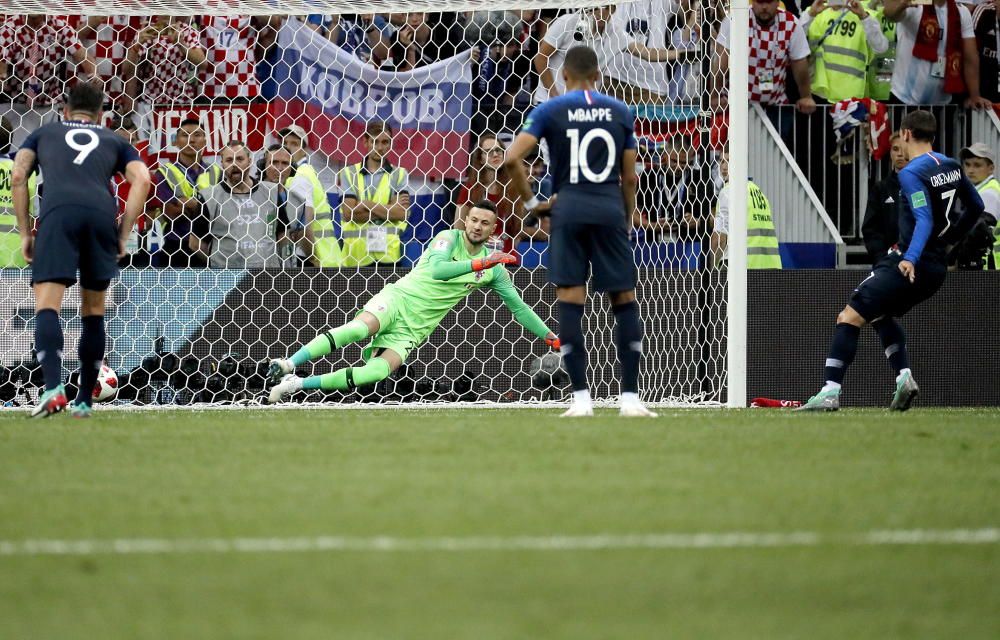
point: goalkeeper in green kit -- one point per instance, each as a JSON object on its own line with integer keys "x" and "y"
{"x": 401, "y": 316}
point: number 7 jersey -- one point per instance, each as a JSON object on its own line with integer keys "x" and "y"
{"x": 78, "y": 160}
{"x": 586, "y": 133}
{"x": 939, "y": 207}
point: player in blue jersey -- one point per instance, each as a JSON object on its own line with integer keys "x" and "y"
{"x": 77, "y": 231}
{"x": 592, "y": 154}
{"x": 940, "y": 207}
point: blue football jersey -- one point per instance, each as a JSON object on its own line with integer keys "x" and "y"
{"x": 78, "y": 160}
{"x": 940, "y": 205}
{"x": 586, "y": 133}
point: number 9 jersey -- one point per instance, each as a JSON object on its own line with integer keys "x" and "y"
{"x": 78, "y": 161}
{"x": 586, "y": 133}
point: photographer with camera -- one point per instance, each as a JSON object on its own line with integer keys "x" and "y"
{"x": 981, "y": 247}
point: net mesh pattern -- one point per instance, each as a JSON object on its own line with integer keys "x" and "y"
{"x": 207, "y": 294}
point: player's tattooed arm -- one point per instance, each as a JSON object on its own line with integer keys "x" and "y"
{"x": 630, "y": 182}
{"x": 24, "y": 165}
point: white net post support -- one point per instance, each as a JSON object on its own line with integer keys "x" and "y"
{"x": 174, "y": 328}
{"x": 739, "y": 167}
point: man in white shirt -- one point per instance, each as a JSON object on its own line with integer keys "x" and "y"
{"x": 597, "y": 29}
{"x": 916, "y": 81}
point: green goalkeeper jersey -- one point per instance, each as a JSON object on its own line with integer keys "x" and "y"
{"x": 443, "y": 277}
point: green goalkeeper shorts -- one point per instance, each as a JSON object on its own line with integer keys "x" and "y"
{"x": 394, "y": 332}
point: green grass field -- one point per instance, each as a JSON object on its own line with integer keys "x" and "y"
{"x": 456, "y": 490}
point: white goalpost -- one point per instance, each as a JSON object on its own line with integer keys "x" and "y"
{"x": 308, "y": 94}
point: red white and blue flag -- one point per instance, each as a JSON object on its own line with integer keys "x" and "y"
{"x": 332, "y": 94}
{"x": 848, "y": 115}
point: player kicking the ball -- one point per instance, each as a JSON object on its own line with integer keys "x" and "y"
{"x": 940, "y": 206}
{"x": 406, "y": 312}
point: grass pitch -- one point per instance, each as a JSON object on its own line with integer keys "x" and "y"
{"x": 447, "y": 476}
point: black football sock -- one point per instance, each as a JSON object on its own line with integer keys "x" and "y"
{"x": 628, "y": 341}
{"x": 894, "y": 342}
{"x": 91, "y": 352}
{"x": 845, "y": 345}
{"x": 49, "y": 344}
{"x": 574, "y": 349}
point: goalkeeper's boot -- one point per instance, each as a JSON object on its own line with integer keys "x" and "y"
{"x": 906, "y": 391}
{"x": 288, "y": 385}
{"x": 80, "y": 410}
{"x": 828, "y": 400}
{"x": 50, "y": 402}
{"x": 279, "y": 367}
{"x": 635, "y": 409}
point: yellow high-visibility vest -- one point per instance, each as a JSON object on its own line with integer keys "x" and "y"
{"x": 327, "y": 245}
{"x": 881, "y": 65}
{"x": 358, "y": 237}
{"x": 762, "y": 239}
{"x": 993, "y": 185}
{"x": 10, "y": 239}
{"x": 840, "y": 55}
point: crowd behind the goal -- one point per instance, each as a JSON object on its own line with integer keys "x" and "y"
{"x": 662, "y": 56}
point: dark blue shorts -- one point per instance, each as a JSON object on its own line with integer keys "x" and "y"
{"x": 576, "y": 249}
{"x": 887, "y": 292}
{"x": 71, "y": 240}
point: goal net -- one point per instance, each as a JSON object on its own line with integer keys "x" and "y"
{"x": 374, "y": 132}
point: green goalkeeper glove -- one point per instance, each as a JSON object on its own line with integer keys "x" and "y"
{"x": 553, "y": 341}
{"x": 492, "y": 260}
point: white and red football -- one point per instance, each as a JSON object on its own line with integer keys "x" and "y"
{"x": 107, "y": 384}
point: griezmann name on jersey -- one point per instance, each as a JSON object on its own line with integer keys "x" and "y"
{"x": 586, "y": 133}
{"x": 940, "y": 205}
{"x": 78, "y": 161}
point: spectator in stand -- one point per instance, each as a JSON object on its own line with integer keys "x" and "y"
{"x": 366, "y": 35}
{"x": 763, "y": 251}
{"x": 936, "y": 57}
{"x": 684, "y": 81}
{"x": 986, "y": 26}
{"x": 166, "y": 57}
{"x": 320, "y": 246}
{"x": 843, "y": 39}
{"x": 649, "y": 24}
{"x": 880, "y": 228}
{"x": 407, "y": 30}
{"x": 107, "y": 39}
{"x": 237, "y": 223}
{"x": 10, "y": 237}
{"x": 597, "y": 29}
{"x": 177, "y": 188}
{"x": 506, "y": 42}
{"x": 777, "y": 45}
{"x": 276, "y": 167}
{"x": 881, "y": 66}
{"x": 137, "y": 249}
{"x": 33, "y": 49}
{"x": 675, "y": 192}
{"x": 376, "y": 203}
{"x": 978, "y": 162}
{"x": 537, "y": 228}
{"x": 230, "y": 48}
{"x": 487, "y": 180}
{"x": 445, "y": 36}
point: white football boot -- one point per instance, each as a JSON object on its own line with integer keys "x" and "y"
{"x": 631, "y": 407}
{"x": 288, "y": 385}
{"x": 579, "y": 410}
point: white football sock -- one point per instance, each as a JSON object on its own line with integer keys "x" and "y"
{"x": 582, "y": 397}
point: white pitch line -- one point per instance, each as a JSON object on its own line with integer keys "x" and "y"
{"x": 736, "y": 540}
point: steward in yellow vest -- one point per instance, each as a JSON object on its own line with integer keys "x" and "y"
{"x": 375, "y": 205}
{"x": 10, "y": 239}
{"x": 881, "y": 66}
{"x": 317, "y": 220}
{"x": 762, "y": 239}
{"x": 843, "y": 41}
{"x": 177, "y": 188}
{"x": 978, "y": 164}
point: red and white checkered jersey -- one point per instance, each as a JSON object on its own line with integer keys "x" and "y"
{"x": 229, "y": 45}
{"x": 35, "y": 56}
{"x": 109, "y": 47}
{"x": 166, "y": 74}
{"x": 772, "y": 50}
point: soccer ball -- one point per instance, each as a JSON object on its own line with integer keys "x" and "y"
{"x": 107, "y": 384}
{"x": 547, "y": 372}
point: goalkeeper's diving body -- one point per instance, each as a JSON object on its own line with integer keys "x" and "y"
{"x": 401, "y": 316}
